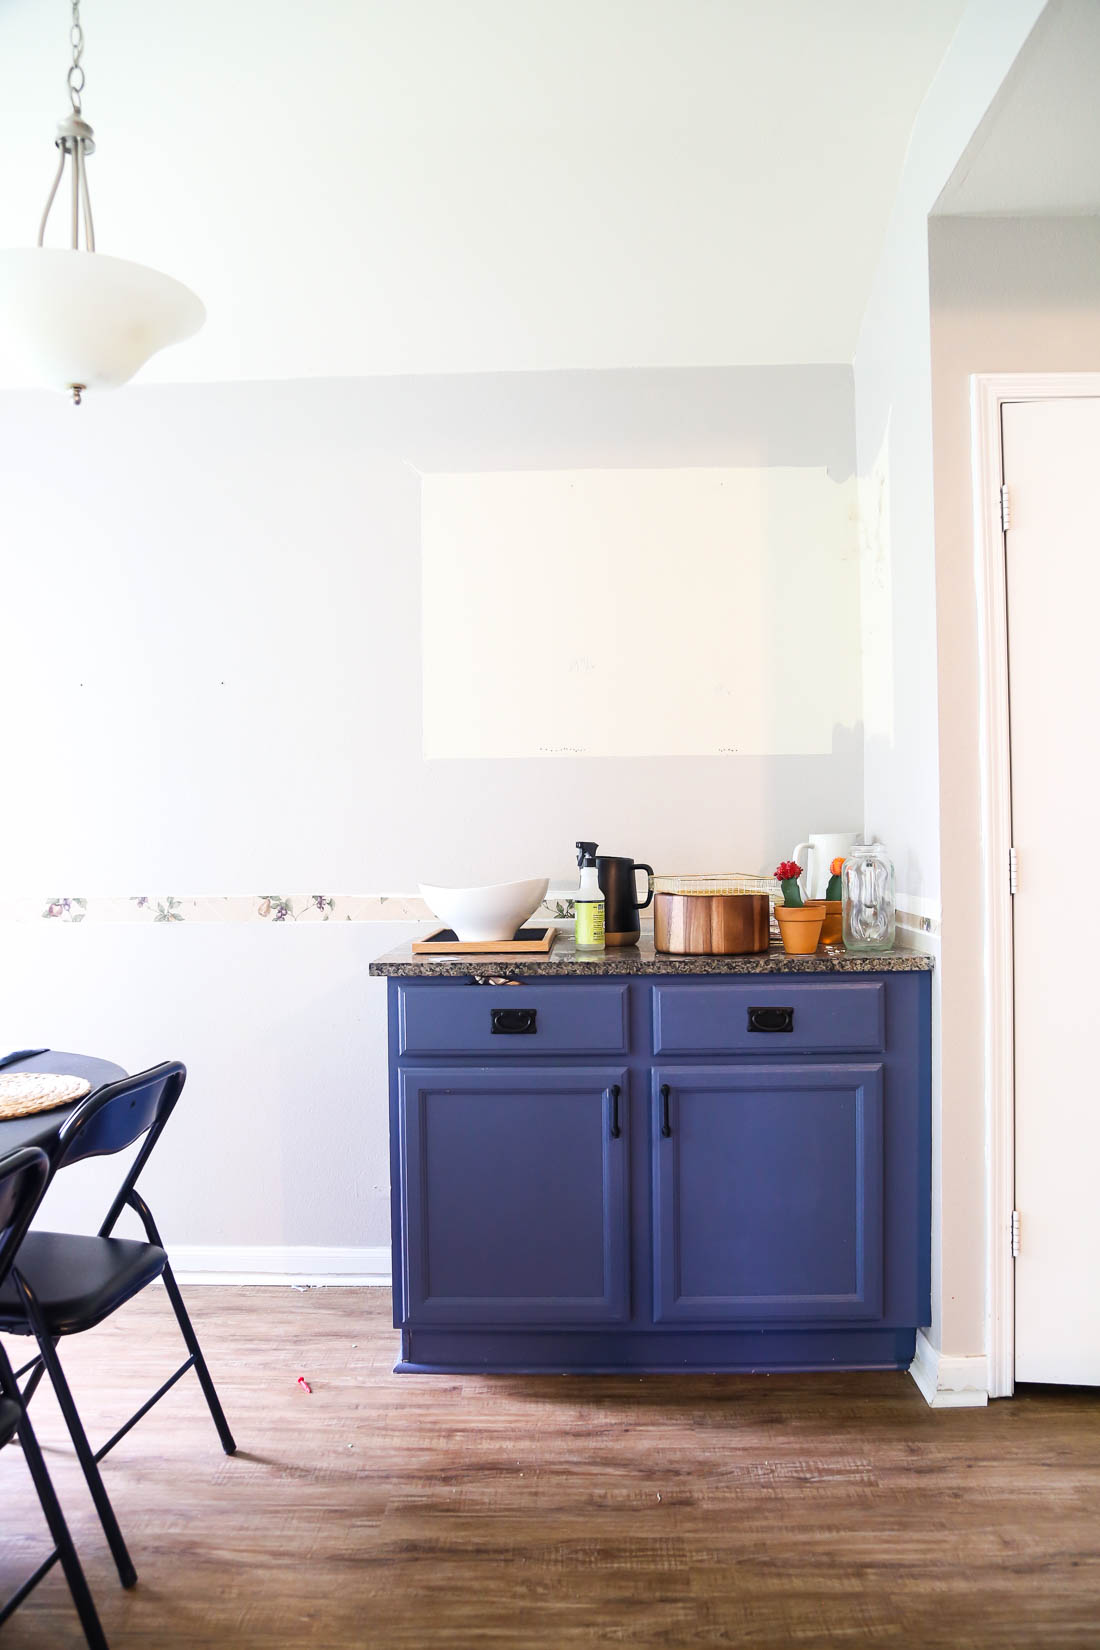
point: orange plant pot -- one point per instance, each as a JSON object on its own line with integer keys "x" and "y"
{"x": 800, "y": 927}
{"x": 832, "y": 929}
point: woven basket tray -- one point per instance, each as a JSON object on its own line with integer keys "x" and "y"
{"x": 22, "y": 1093}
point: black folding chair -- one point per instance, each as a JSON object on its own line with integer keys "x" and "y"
{"x": 23, "y": 1177}
{"x": 61, "y": 1284}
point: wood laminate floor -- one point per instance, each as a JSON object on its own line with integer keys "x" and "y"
{"x": 411, "y": 1511}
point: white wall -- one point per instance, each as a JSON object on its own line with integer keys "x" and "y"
{"x": 893, "y": 407}
{"x": 1035, "y": 152}
{"x": 1007, "y": 295}
{"x": 280, "y": 1138}
{"x": 212, "y": 685}
{"x": 893, "y": 376}
{"x": 405, "y": 186}
{"x": 230, "y": 580}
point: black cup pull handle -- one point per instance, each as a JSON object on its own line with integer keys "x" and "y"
{"x": 638, "y": 866}
{"x": 616, "y": 1127}
{"x": 513, "y": 1022}
{"x": 771, "y": 1019}
{"x": 666, "y": 1123}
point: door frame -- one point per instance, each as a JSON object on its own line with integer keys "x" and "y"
{"x": 988, "y": 394}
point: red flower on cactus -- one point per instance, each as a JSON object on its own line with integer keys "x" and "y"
{"x": 787, "y": 871}
{"x": 837, "y": 866}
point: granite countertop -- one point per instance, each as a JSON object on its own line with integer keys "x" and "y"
{"x": 566, "y": 960}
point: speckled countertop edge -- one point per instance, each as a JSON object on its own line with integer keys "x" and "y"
{"x": 566, "y": 962}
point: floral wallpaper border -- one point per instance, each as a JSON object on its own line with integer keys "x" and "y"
{"x": 69, "y": 908}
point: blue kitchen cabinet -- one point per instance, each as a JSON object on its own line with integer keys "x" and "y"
{"x": 514, "y": 1195}
{"x": 767, "y": 1193}
{"x": 660, "y": 1171}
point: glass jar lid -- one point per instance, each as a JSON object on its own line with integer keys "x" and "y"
{"x": 709, "y": 883}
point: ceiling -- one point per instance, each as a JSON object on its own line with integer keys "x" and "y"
{"x": 408, "y": 186}
{"x": 1038, "y": 149}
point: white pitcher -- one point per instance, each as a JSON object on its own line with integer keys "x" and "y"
{"x": 820, "y": 851}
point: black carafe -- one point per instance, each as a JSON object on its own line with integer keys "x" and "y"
{"x": 618, "y": 879}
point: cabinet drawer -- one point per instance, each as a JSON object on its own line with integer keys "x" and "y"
{"x": 513, "y": 1021}
{"x": 770, "y": 1017}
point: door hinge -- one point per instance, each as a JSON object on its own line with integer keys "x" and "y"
{"x": 1013, "y": 871}
{"x": 1015, "y": 1233}
{"x": 1006, "y": 509}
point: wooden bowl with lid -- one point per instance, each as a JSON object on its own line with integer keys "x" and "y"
{"x": 712, "y": 916}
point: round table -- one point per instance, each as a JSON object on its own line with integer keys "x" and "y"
{"x": 42, "y": 1128}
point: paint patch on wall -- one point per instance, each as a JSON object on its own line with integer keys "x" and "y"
{"x": 639, "y": 612}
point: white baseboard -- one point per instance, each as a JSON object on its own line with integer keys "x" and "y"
{"x": 948, "y": 1381}
{"x": 276, "y": 1264}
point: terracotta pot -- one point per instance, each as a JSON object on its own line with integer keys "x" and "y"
{"x": 832, "y": 930}
{"x": 800, "y": 927}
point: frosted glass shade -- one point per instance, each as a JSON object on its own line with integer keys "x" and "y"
{"x": 76, "y": 317}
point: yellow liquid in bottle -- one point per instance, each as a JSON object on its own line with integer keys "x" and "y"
{"x": 588, "y": 923}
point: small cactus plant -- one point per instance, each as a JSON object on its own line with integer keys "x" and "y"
{"x": 833, "y": 891}
{"x": 788, "y": 873}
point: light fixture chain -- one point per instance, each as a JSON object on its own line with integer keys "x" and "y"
{"x": 76, "y": 72}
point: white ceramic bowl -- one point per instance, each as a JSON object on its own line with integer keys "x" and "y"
{"x": 492, "y": 913}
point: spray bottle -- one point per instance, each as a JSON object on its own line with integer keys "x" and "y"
{"x": 588, "y": 904}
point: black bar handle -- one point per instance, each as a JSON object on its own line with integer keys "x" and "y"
{"x": 771, "y": 1019}
{"x": 513, "y": 1022}
{"x": 639, "y": 865}
{"x": 616, "y": 1127}
{"x": 666, "y": 1125}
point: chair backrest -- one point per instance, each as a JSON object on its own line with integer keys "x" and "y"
{"x": 23, "y": 1176}
{"x": 115, "y": 1116}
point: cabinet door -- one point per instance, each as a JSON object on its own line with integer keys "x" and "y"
{"x": 514, "y": 1195}
{"x": 767, "y": 1193}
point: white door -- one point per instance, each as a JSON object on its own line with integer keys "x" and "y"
{"x": 1051, "y": 459}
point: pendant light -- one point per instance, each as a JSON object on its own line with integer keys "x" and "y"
{"x": 83, "y": 321}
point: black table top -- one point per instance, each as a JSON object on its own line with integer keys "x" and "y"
{"x": 41, "y": 1130}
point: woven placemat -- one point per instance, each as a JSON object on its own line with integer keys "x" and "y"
{"x": 22, "y": 1093}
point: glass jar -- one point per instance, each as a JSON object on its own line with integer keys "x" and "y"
{"x": 867, "y": 888}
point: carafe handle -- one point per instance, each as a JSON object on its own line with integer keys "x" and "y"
{"x": 639, "y": 866}
{"x": 804, "y": 879}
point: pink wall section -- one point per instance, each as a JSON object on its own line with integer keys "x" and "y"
{"x": 1008, "y": 295}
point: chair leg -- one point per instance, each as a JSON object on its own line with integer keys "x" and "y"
{"x": 62, "y": 1540}
{"x": 126, "y": 1572}
{"x": 36, "y": 1375}
{"x": 203, "y": 1373}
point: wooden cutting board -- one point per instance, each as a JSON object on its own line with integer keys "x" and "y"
{"x": 528, "y": 941}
